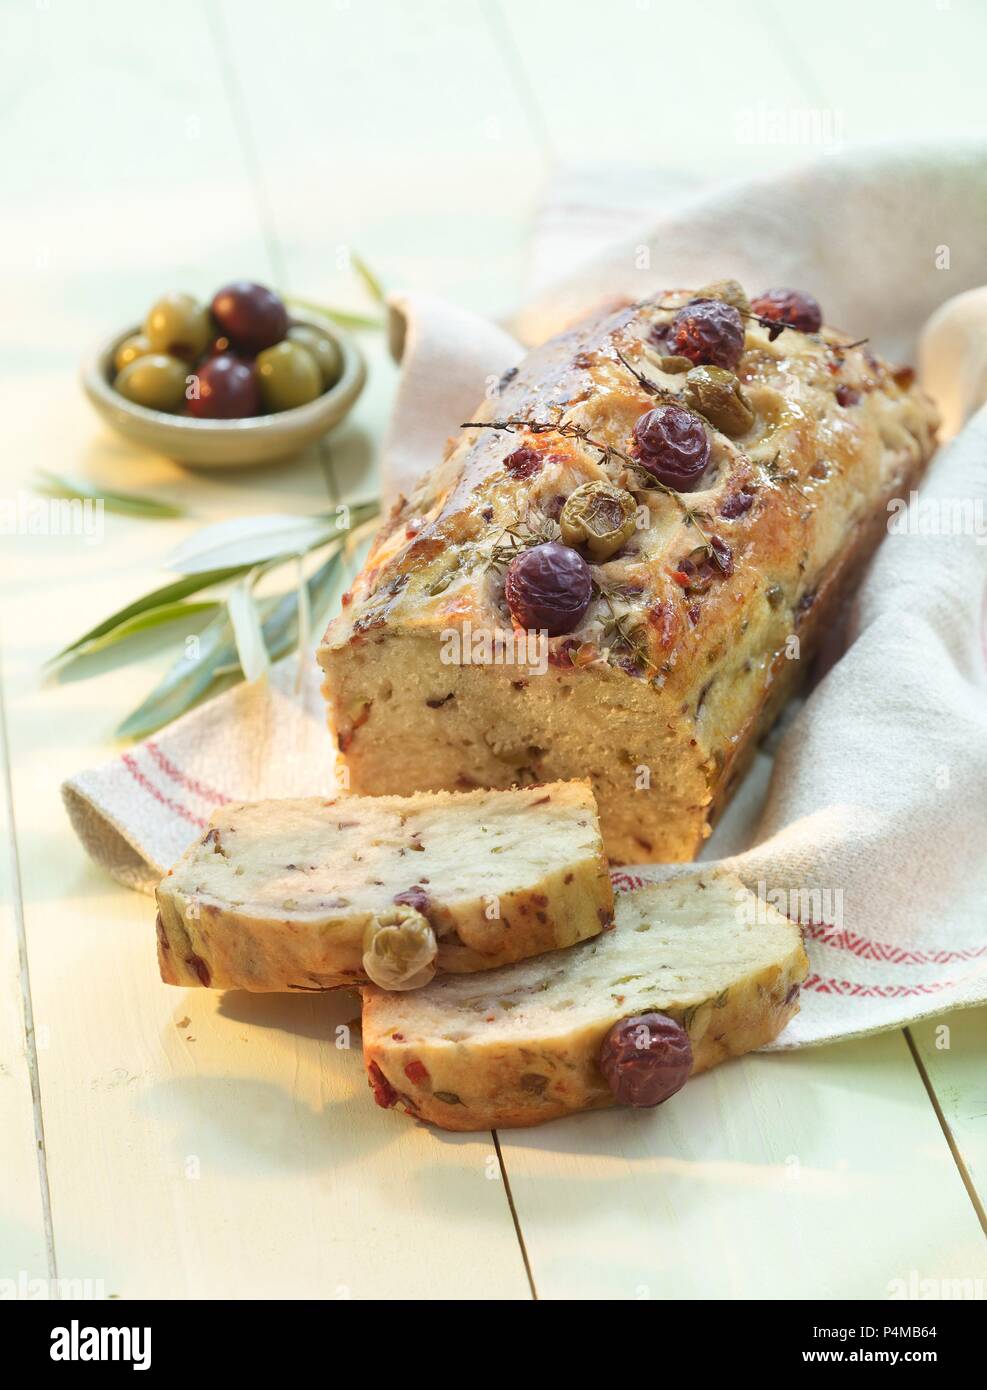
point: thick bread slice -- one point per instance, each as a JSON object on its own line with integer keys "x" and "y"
{"x": 521, "y": 1045}
{"x": 278, "y": 895}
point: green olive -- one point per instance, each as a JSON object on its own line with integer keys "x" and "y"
{"x": 156, "y": 381}
{"x": 729, "y": 291}
{"x": 719, "y": 396}
{"x": 599, "y": 517}
{"x": 178, "y": 325}
{"x": 399, "y": 949}
{"x": 288, "y": 376}
{"x": 137, "y": 345}
{"x": 324, "y": 349}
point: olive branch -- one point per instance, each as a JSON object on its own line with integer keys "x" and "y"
{"x": 243, "y": 632}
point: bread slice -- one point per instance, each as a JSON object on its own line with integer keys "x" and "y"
{"x": 522, "y": 1045}
{"x": 291, "y": 895}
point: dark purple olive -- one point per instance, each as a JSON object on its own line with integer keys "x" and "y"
{"x": 252, "y": 317}
{"x": 673, "y": 445}
{"x": 548, "y": 588}
{"x": 709, "y": 333}
{"x": 227, "y": 390}
{"x": 415, "y": 897}
{"x": 221, "y": 343}
{"x": 791, "y": 307}
{"x": 645, "y": 1059}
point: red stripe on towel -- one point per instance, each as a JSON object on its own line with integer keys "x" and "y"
{"x": 190, "y": 783}
{"x": 130, "y": 763}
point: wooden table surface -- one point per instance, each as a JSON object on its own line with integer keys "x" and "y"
{"x": 157, "y": 1143}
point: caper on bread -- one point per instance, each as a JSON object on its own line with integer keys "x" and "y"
{"x": 695, "y": 970}
{"x": 312, "y": 894}
{"x": 678, "y": 495}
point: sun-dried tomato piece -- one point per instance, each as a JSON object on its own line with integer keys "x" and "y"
{"x": 524, "y": 462}
{"x": 384, "y": 1093}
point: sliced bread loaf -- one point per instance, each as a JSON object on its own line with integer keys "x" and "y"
{"x": 312, "y": 894}
{"x": 694, "y": 971}
{"x": 737, "y": 502}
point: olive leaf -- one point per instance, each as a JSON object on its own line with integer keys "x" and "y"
{"x": 247, "y": 631}
{"x": 369, "y": 280}
{"x": 255, "y": 540}
{"x": 304, "y": 618}
{"x": 144, "y": 622}
{"x": 158, "y": 598}
{"x": 128, "y": 503}
{"x": 346, "y": 318}
{"x": 242, "y": 629}
{"x": 281, "y": 628}
{"x": 188, "y": 678}
{"x": 249, "y": 541}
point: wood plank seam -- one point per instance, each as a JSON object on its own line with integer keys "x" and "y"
{"x": 241, "y": 124}
{"x": 958, "y": 1159}
{"x": 27, "y": 1004}
{"x": 527, "y": 95}
{"x": 775, "y": 28}
{"x": 514, "y": 1215}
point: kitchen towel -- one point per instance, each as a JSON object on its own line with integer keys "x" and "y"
{"x": 866, "y": 815}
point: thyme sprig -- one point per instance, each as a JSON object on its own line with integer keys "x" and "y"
{"x": 628, "y": 635}
{"x": 652, "y": 387}
{"x": 521, "y": 534}
{"x": 775, "y": 327}
{"x": 777, "y": 475}
{"x": 607, "y": 454}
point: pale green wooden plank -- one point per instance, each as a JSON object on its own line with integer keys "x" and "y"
{"x": 901, "y": 69}
{"x": 405, "y": 136}
{"x": 649, "y": 85}
{"x": 817, "y": 1174}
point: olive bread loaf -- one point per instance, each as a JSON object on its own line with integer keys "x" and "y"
{"x": 694, "y": 971}
{"x": 312, "y": 894}
{"x": 672, "y": 499}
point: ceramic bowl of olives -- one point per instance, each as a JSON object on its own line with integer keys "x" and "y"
{"x": 235, "y": 382}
